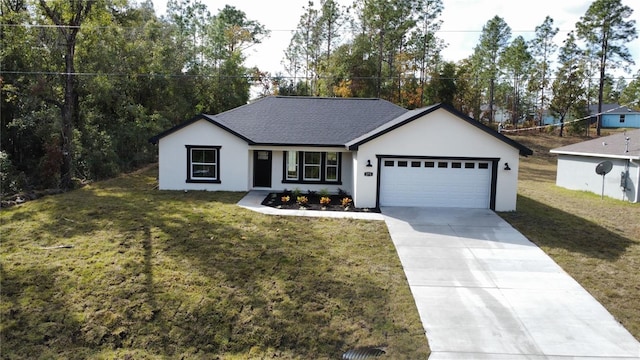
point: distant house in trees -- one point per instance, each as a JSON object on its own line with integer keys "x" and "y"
{"x": 613, "y": 116}
{"x": 616, "y": 116}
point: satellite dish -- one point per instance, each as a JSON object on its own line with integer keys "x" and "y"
{"x": 604, "y": 167}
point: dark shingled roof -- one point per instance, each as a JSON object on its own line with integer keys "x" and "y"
{"x": 612, "y": 146}
{"x": 306, "y": 120}
{"x": 316, "y": 121}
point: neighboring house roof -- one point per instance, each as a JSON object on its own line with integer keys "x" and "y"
{"x": 611, "y": 109}
{"x": 316, "y": 121}
{"x": 612, "y": 146}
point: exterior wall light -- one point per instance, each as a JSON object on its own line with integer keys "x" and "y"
{"x": 369, "y": 163}
{"x": 506, "y": 166}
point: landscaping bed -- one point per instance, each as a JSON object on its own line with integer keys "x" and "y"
{"x": 292, "y": 200}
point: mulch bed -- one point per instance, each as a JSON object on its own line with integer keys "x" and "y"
{"x": 275, "y": 200}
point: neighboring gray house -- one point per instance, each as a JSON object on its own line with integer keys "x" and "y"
{"x": 380, "y": 153}
{"x": 577, "y": 164}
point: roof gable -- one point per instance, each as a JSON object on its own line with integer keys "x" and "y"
{"x": 418, "y": 113}
{"x": 612, "y": 146}
{"x": 156, "y": 138}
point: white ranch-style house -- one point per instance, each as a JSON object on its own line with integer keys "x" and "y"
{"x": 380, "y": 153}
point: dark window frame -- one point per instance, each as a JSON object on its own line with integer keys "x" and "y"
{"x": 301, "y": 168}
{"x": 195, "y": 179}
{"x": 317, "y": 167}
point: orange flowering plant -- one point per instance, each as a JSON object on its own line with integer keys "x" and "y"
{"x": 302, "y": 200}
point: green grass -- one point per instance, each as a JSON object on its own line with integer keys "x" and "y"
{"x": 155, "y": 275}
{"x": 597, "y": 241}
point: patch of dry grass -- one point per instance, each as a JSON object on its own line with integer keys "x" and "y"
{"x": 156, "y": 274}
{"x": 597, "y": 241}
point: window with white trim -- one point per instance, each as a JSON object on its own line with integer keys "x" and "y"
{"x": 312, "y": 164}
{"x": 312, "y": 167}
{"x": 331, "y": 167}
{"x": 203, "y": 164}
{"x": 291, "y": 165}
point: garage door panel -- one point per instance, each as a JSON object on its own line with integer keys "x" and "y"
{"x": 468, "y": 184}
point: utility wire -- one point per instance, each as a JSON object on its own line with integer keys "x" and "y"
{"x": 564, "y": 122}
{"x": 248, "y": 77}
{"x": 268, "y": 30}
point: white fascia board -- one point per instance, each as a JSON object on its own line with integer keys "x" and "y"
{"x": 575, "y": 153}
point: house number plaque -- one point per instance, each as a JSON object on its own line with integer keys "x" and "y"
{"x": 368, "y": 173}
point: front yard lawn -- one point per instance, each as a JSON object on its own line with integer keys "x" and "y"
{"x": 146, "y": 274}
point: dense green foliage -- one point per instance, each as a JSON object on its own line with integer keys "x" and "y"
{"x": 86, "y": 83}
{"x": 92, "y": 89}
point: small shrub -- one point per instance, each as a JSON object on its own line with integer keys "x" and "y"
{"x": 346, "y": 202}
{"x": 311, "y": 193}
{"x": 11, "y": 181}
{"x": 285, "y": 199}
{"x": 302, "y": 200}
{"x": 325, "y": 200}
{"x": 342, "y": 192}
{"x": 529, "y": 124}
{"x": 576, "y": 127}
{"x": 296, "y": 192}
{"x": 323, "y": 192}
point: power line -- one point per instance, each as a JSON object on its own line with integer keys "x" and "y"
{"x": 269, "y": 30}
{"x": 271, "y": 76}
{"x": 564, "y": 122}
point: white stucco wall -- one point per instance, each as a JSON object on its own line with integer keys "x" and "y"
{"x": 578, "y": 173}
{"x": 234, "y": 158}
{"x": 277, "y": 184}
{"x": 438, "y": 134}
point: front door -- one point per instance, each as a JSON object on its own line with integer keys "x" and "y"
{"x": 262, "y": 168}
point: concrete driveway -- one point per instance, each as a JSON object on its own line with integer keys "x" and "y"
{"x": 484, "y": 291}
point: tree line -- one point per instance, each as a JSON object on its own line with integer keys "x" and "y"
{"x": 85, "y": 83}
{"x": 394, "y": 53}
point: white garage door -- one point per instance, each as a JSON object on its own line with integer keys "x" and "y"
{"x": 435, "y": 183}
